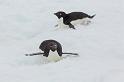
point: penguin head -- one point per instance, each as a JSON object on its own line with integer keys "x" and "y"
{"x": 52, "y": 46}
{"x": 60, "y": 14}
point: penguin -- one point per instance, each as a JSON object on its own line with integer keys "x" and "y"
{"x": 52, "y": 50}
{"x": 73, "y": 18}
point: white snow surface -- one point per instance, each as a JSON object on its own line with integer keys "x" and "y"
{"x": 24, "y": 24}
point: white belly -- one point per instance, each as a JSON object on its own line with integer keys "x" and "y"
{"x": 53, "y": 56}
{"x": 61, "y": 24}
{"x": 84, "y": 21}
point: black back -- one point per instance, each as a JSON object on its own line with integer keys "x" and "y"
{"x": 46, "y": 48}
{"x": 77, "y": 15}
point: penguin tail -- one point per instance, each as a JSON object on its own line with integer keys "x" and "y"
{"x": 92, "y": 16}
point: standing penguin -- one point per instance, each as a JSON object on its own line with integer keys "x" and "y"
{"x": 73, "y": 18}
{"x": 52, "y": 50}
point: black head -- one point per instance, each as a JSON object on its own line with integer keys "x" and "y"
{"x": 60, "y": 14}
{"x": 52, "y": 46}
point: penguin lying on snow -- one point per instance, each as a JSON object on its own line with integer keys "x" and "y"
{"x": 52, "y": 50}
{"x": 73, "y": 18}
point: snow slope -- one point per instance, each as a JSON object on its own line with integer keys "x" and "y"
{"x": 24, "y": 24}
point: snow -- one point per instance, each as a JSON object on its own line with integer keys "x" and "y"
{"x": 24, "y": 24}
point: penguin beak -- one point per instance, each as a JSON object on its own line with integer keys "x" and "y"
{"x": 53, "y": 48}
{"x": 54, "y": 13}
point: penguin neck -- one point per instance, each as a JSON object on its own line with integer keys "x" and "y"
{"x": 53, "y": 52}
